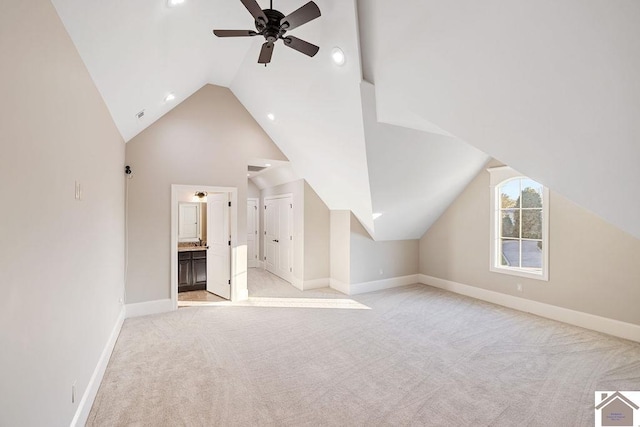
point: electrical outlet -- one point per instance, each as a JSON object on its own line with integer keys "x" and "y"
{"x": 73, "y": 392}
{"x": 519, "y": 287}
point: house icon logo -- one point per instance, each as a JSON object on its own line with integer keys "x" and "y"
{"x": 617, "y": 408}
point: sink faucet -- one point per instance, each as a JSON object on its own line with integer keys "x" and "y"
{"x": 199, "y": 242}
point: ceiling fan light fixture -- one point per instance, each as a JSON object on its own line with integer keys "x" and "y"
{"x": 173, "y": 3}
{"x": 337, "y": 56}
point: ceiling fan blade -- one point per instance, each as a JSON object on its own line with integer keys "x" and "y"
{"x": 265, "y": 53}
{"x": 234, "y": 33}
{"x": 301, "y": 45}
{"x": 306, "y": 13}
{"x": 254, "y": 9}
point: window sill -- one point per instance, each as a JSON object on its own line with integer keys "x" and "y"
{"x": 542, "y": 276}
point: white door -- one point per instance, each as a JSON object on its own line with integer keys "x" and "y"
{"x": 279, "y": 237}
{"x": 285, "y": 239}
{"x": 252, "y": 233}
{"x": 271, "y": 234}
{"x": 218, "y": 240}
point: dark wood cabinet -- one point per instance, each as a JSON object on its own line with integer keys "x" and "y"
{"x": 192, "y": 271}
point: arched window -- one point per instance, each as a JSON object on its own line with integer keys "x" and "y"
{"x": 520, "y": 225}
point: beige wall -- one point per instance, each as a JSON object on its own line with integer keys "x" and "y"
{"x": 339, "y": 246}
{"x": 316, "y": 236}
{"x": 61, "y": 260}
{"x": 371, "y": 260}
{"x": 206, "y": 140}
{"x": 593, "y": 267}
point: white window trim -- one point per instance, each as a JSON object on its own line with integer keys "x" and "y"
{"x": 498, "y": 175}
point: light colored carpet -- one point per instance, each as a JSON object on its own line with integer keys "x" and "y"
{"x": 412, "y": 356}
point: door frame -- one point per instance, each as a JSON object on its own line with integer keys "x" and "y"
{"x": 238, "y": 271}
{"x": 291, "y": 227}
{"x": 258, "y": 261}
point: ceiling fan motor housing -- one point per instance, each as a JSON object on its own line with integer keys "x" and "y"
{"x": 271, "y": 29}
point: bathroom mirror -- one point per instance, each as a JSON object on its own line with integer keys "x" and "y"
{"x": 190, "y": 221}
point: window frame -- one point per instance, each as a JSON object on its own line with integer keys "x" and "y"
{"x": 499, "y": 176}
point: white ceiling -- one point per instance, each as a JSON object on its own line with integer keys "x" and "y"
{"x": 549, "y": 87}
{"x": 414, "y": 175}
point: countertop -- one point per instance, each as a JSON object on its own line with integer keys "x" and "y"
{"x": 191, "y": 248}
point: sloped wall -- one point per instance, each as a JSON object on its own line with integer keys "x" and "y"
{"x": 593, "y": 266}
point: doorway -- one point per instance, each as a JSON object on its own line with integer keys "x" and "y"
{"x": 226, "y": 270}
{"x": 278, "y": 236}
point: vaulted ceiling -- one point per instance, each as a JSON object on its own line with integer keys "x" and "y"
{"x": 549, "y": 87}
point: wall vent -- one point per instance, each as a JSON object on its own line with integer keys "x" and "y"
{"x": 140, "y": 115}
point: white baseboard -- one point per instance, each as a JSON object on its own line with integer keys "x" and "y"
{"x": 378, "y": 285}
{"x": 298, "y": 283}
{"x": 149, "y": 307}
{"x": 315, "y": 284}
{"x": 577, "y": 318}
{"x": 339, "y": 286}
{"x": 84, "y": 407}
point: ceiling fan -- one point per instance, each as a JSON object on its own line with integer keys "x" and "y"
{"x": 273, "y": 24}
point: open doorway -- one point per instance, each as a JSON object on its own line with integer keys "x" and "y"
{"x": 206, "y": 262}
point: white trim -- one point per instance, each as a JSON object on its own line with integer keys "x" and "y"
{"x": 577, "y": 318}
{"x": 238, "y": 267}
{"x": 84, "y": 407}
{"x": 378, "y": 285}
{"x": 339, "y": 286}
{"x": 315, "y": 284}
{"x": 297, "y": 283}
{"x": 148, "y": 307}
{"x": 498, "y": 176}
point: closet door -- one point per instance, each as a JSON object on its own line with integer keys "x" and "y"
{"x": 252, "y": 233}
{"x": 271, "y": 235}
{"x": 279, "y": 236}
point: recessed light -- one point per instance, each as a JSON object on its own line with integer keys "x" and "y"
{"x": 170, "y": 97}
{"x": 172, "y": 3}
{"x": 271, "y": 116}
{"x": 267, "y": 165}
{"x": 337, "y": 55}
{"x": 376, "y": 215}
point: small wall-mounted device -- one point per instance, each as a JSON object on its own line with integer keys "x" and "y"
{"x": 127, "y": 170}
